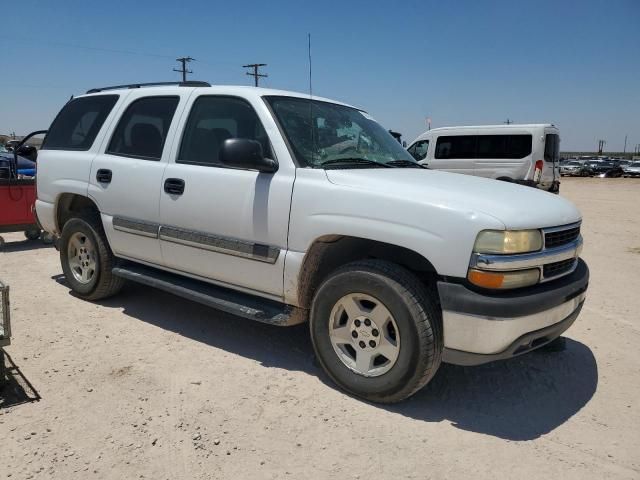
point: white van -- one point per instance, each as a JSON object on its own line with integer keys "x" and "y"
{"x": 525, "y": 154}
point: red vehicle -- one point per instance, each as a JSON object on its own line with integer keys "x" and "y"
{"x": 17, "y": 198}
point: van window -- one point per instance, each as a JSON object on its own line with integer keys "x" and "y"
{"x": 78, "y": 123}
{"x": 551, "y": 147}
{"x": 142, "y": 130}
{"x": 504, "y": 146}
{"x": 459, "y": 146}
{"x": 419, "y": 149}
{"x": 484, "y": 146}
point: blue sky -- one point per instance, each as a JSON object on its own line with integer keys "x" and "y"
{"x": 572, "y": 63}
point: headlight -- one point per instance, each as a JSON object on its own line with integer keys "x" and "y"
{"x": 504, "y": 280}
{"x": 508, "y": 241}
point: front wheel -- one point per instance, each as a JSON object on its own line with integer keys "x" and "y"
{"x": 87, "y": 260}
{"x": 376, "y": 330}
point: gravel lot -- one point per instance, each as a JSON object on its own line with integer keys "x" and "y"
{"x": 147, "y": 385}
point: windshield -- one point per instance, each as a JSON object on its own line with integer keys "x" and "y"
{"x": 323, "y": 134}
{"x": 635, "y": 164}
{"x": 3, "y": 149}
{"x": 573, "y": 164}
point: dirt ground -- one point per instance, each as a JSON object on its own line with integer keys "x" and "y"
{"x": 147, "y": 385}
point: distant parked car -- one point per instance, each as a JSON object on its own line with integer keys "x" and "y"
{"x": 606, "y": 169}
{"x": 632, "y": 170}
{"x": 27, "y": 151}
{"x": 575, "y": 168}
{"x": 25, "y": 166}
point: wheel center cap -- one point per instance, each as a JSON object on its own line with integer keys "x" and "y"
{"x": 364, "y": 333}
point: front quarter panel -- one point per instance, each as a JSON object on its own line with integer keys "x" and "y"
{"x": 443, "y": 235}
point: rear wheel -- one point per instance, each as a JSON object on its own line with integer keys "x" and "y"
{"x": 87, "y": 260}
{"x": 376, "y": 330}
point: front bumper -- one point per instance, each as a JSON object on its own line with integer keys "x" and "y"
{"x": 481, "y": 328}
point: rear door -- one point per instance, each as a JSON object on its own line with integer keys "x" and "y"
{"x": 551, "y": 169}
{"x": 125, "y": 178}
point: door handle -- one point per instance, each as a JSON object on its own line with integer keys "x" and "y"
{"x": 174, "y": 186}
{"x": 104, "y": 176}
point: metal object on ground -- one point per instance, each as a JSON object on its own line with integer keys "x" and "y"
{"x": 5, "y": 326}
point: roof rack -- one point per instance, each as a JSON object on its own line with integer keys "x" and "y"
{"x": 190, "y": 83}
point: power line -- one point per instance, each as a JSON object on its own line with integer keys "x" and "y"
{"x": 183, "y": 70}
{"x": 256, "y": 75}
{"x": 49, "y": 43}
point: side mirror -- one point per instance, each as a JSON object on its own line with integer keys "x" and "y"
{"x": 246, "y": 154}
{"x": 404, "y": 144}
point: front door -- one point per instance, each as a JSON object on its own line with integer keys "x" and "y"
{"x": 125, "y": 178}
{"x": 226, "y": 225}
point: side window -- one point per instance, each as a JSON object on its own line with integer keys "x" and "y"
{"x": 78, "y": 123}
{"x": 142, "y": 130}
{"x": 504, "y": 146}
{"x": 459, "y": 146}
{"x": 214, "y": 119}
{"x": 419, "y": 149}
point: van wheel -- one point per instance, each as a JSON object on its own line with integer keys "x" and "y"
{"x": 87, "y": 260}
{"x": 377, "y": 330}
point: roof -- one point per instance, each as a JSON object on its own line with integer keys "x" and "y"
{"x": 222, "y": 90}
{"x": 501, "y": 126}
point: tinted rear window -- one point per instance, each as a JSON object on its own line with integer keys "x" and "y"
{"x": 483, "y": 146}
{"x": 78, "y": 123}
{"x": 552, "y": 147}
{"x": 143, "y": 128}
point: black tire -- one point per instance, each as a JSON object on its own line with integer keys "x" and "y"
{"x": 418, "y": 317}
{"x": 103, "y": 283}
{"x": 32, "y": 234}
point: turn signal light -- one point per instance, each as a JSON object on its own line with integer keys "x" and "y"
{"x": 504, "y": 280}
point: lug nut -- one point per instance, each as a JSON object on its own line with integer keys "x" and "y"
{"x": 367, "y": 322}
{"x": 372, "y": 344}
{"x": 354, "y": 334}
{"x": 362, "y": 344}
{"x": 375, "y": 332}
{"x": 357, "y": 323}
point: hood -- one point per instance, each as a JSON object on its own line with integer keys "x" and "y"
{"x": 516, "y": 206}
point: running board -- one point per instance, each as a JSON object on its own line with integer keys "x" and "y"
{"x": 223, "y": 299}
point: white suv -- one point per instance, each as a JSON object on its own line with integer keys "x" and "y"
{"x": 284, "y": 208}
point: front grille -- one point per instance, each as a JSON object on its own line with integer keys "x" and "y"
{"x": 560, "y": 237}
{"x": 558, "y": 268}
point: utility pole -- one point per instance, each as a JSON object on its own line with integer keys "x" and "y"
{"x": 256, "y": 74}
{"x": 625, "y": 144}
{"x": 508, "y": 121}
{"x": 601, "y": 144}
{"x": 183, "y": 70}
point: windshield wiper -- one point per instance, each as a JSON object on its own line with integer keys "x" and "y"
{"x": 405, "y": 163}
{"x": 354, "y": 161}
